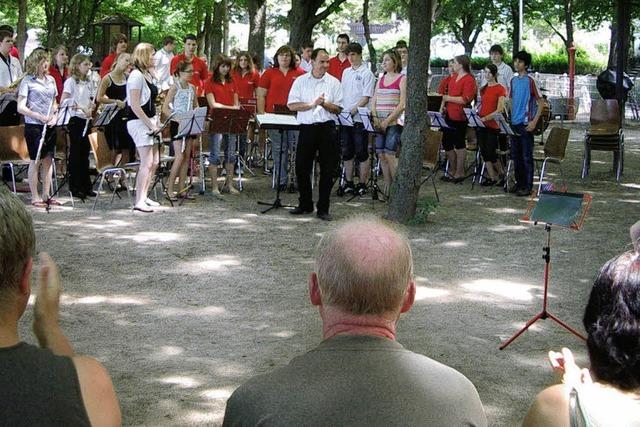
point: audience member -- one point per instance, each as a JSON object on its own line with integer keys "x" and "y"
{"x": 50, "y": 385}
{"x": 359, "y": 374}
{"x": 607, "y": 394}
{"x": 340, "y": 62}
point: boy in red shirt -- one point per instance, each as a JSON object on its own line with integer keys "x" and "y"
{"x": 340, "y": 62}
{"x": 200, "y": 70}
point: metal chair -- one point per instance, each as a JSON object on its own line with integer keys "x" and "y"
{"x": 555, "y": 148}
{"x": 605, "y": 133}
{"x": 104, "y": 166}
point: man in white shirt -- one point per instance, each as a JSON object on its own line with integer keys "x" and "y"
{"x": 317, "y": 98}
{"x": 162, "y": 60}
{"x": 10, "y": 71}
{"x": 305, "y": 56}
{"x": 505, "y": 73}
{"x": 358, "y": 85}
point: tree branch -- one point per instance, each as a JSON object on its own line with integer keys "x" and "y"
{"x": 564, "y": 39}
{"x": 327, "y": 11}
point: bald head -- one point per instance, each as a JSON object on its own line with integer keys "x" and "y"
{"x": 364, "y": 267}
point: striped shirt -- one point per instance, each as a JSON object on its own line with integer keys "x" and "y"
{"x": 40, "y": 96}
{"x": 388, "y": 96}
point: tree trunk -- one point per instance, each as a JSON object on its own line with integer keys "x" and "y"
{"x": 257, "y": 28}
{"x": 568, "y": 23}
{"x": 367, "y": 36}
{"x": 225, "y": 27}
{"x": 204, "y": 41}
{"x": 21, "y": 31}
{"x": 515, "y": 33}
{"x": 303, "y": 17}
{"x": 406, "y": 186}
{"x": 611, "y": 63}
{"x": 216, "y": 30}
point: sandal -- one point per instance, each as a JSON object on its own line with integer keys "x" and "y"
{"x": 39, "y": 204}
{"x": 53, "y": 202}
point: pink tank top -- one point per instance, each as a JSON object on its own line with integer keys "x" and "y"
{"x": 388, "y": 96}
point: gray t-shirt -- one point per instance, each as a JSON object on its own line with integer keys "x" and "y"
{"x": 357, "y": 380}
{"x": 40, "y": 94}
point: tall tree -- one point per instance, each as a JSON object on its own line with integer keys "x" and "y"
{"x": 257, "y": 28}
{"x": 556, "y": 14}
{"x": 68, "y": 21}
{"x": 406, "y": 186}
{"x": 464, "y": 19}
{"x": 304, "y": 16}
{"x": 367, "y": 36}
{"x": 21, "y": 29}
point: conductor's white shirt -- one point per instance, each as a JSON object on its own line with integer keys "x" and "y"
{"x": 307, "y": 88}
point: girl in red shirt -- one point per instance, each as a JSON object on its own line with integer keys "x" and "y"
{"x": 246, "y": 78}
{"x": 221, "y": 92}
{"x": 58, "y": 68}
{"x": 492, "y": 102}
{"x": 461, "y": 91}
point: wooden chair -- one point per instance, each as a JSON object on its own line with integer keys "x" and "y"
{"x": 431, "y": 157}
{"x": 13, "y": 150}
{"x": 102, "y": 158}
{"x": 554, "y": 151}
{"x": 604, "y": 134}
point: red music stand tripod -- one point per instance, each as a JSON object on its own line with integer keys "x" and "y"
{"x": 560, "y": 209}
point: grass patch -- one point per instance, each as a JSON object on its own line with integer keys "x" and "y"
{"x": 424, "y": 207}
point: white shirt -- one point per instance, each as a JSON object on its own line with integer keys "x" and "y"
{"x": 307, "y": 88}
{"x": 80, "y": 93}
{"x": 162, "y": 60}
{"x": 137, "y": 81}
{"x": 305, "y": 65}
{"x": 11, "y": 72}
{"x": 356, "y": 83}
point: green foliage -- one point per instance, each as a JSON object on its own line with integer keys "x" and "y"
{"x": 424, "y": 207}
{"x": 558, "y": 63}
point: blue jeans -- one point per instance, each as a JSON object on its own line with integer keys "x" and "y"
{"x": 522, "y": 155}
{"x": 289, "y": 139}
{"x": 229, "y": 144}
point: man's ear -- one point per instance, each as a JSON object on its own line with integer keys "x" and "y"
{"x": 24, "y": 286}
{"x": 409, "y": 297}
{"x": 314, "y": 290}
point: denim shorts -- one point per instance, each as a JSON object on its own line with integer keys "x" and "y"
{"x": 390, "y": 141}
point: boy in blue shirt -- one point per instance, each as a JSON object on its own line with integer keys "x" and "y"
{"x": 526, "y": 106}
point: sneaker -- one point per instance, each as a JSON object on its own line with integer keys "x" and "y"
{"x": 361, "y": 189}
{"x": 349, "y": 188}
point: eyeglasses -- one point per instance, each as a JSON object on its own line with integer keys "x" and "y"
{"x": 188, "y": 71}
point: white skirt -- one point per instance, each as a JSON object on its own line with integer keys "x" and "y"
{"x": 140, "y": 132}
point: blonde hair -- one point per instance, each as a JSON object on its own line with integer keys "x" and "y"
{"x": 34, "y": 60}
{"x": 142, "y": 56}
{"x": 115, "y": 61}
{"x": 75, "y": 62}
{"x": 364, "y": 266}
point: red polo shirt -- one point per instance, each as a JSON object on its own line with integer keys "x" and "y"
{"x": 14, "y": 52}
{"x": 278, "y": 86}
{"x": 490, "y": 97}
{"x": 59, "y": 78}
{"x": 337, "y": 67}
{"x": 222, "y": 92}
{"x": 465, "y": 87}
{"x": 200, "y": 71}
{"x": 107, "y": 62}
{"x": 246, "y": 84}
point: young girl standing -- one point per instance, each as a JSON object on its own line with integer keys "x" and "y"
{"x": 181, "y": 98}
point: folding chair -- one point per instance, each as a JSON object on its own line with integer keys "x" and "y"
{"x": 431, "y": 157}
{"x": 13, "y": 150}
{"x": 604, "y": 134}
{"x": 555, "y": 147}
{"x": 104, "y": 166}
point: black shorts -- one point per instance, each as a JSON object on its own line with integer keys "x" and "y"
{"x": 33, "y": 135}
{"x": 10, "y": 117}
{"x": 455, "y": 137}
{"x": 354, "y": 142}
{"x": 488, "y": 143}
{"x": 117, "y": 135}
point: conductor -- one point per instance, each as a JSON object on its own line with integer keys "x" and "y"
{"x": 317, "y": 98}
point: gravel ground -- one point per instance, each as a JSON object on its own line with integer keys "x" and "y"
{"x": 185, "y": 304}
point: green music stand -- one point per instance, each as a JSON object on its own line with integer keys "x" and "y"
{"x": 567, "y": 210}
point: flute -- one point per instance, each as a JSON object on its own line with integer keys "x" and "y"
{"x": 184, "y": 138}
{"x": 44, "y": 130}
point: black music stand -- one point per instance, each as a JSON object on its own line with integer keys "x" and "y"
{"x": 266, "y": 121}
{"x": 229, "y": 121}
{"x": 190, "y": 124}
{"x": 62, "y": 120}
{"x": 367, "y": 123}
{"x": 344, "y": 119}
{"x": 567, "y": 210}
{"x": 438, "y": 121}
{"x": 160, "y": 172}
{"x": 292, "y": 150}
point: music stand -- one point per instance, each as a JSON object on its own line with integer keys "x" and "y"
{"x": 437, "y": 120}
{"x": 108, "y": 113}
{"x": 282, "y": 123}
{"x": 229, "y": 121}
{"x": 367, "y": 122}
{"x": 61, "y": 120}
{"x": 473, "y": 118}
{"x": 567, "y": 210}
{"x": 504, "y": 126}
{"x": 5, "y": 100}
{"x": 190, "y": 124}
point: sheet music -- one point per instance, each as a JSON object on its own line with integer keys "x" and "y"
{"x": 438, "y": 120}
{"x": 505, "y": 127}
{"x": 107, "y": 114}
{"x": 6, "y": 99}
{"x": 365, "y": 115}
{"x": 191, "y": 122}
{"x": 345, "y": 119}
{"x": 473, "y": 118}
{"x": 277, "y": 119}
{"x": 64, "y": 114}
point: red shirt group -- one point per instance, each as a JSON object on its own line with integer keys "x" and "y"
{"x": 278, "y": 86}
{"x": 337, "y": 67}
{"x": 200, "y": 71}
{"x": 59, "y": 78}
{"x": 222, "y": 92}
{"x": 490, "y": 97}
{"x": 246, "y": 84}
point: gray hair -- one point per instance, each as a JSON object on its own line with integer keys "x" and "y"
{"x": 364, "y": 266}
{"x": 17, "y": 240}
